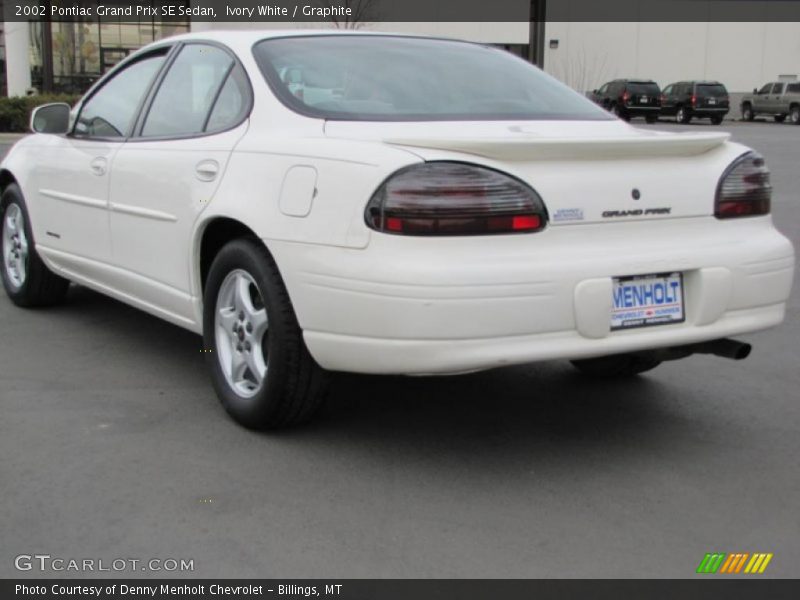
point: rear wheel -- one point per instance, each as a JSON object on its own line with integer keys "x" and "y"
{"x": 26, "y": 279}
{"x": 683, "y": 116}
{"x": 747, "y": 113}
{"x": 260, "y": 367}
{"x": 795, "y": 115}
{"x": 779, "y": 118}
{"x": 618, "y": 365}
{"x": 621, "y": 113}
{"x": 716, "y": 120}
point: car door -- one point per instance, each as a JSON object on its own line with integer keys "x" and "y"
{"x": 776, "y": 98}
{"x": 761, "y": 99}
{"x": 668, "y": 100}
{"x": 165, "y": 175}
{"x": 601, "y": 96}
{"x": 72, "y": 176}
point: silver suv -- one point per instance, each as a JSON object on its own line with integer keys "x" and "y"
{"x": 779, "y": 99}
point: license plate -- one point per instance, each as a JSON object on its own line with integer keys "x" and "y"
{"x": 647, "y": 300}
{"x": 644, "y": 99}
{"x": 712, "y": 101}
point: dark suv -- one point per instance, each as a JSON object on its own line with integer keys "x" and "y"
{"x": 687, "y": 100}
{"x": 628, "y": 98}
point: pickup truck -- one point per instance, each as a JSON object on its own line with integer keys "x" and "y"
{"x": 778, "y": 99}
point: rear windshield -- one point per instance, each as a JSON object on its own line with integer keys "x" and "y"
{"x": 643, "y": 88}
{"x": 705, "y": 90}
{"x": 386, "y": 78}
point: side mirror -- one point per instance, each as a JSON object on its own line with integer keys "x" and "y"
{"x": 51, "y": 118}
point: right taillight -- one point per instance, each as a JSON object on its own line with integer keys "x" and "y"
{"x": 745, "y": 189}
{"x": 451, "y": 198}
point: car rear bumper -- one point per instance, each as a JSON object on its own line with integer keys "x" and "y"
{"x": 643, "y": 110}
{"x": 414, "y": 305}
{"x": 710, "y": 112}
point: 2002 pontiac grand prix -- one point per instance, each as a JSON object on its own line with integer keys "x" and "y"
{"x": 315, "y": 201}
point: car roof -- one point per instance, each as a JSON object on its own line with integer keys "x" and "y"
{"x": 251, "y": 36}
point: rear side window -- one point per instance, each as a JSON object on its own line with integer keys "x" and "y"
{"x": 777, "y": 88}
{"x": 110, "y": 112}
{"x": 793, "y": 88}
{"x": 232, "y": 103}
{"x": 193, "y": 85}
{"x": 711, "y": 90}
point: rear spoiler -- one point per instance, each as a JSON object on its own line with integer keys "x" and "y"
{"x": 528, "y": 148}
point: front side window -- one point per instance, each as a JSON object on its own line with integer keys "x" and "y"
{"x": 765, "y": 89}
{"x": 196, "y": 80}
{"x": 110, "y": 112}
{"x": 387, "y": 78}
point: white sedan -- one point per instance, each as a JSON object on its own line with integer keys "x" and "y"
{"x": 432, "y": 207}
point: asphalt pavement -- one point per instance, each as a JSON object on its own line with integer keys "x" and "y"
{"x": 113, "y": 445}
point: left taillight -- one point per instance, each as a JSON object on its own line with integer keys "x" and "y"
{"x": 450, "y": 198}
{"x": 744, "y": 189}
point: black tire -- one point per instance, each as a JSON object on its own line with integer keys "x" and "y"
{"x": 794, "y": 115}
{"x": 683, "y": 116}
{"x": 651, "y": 119}
{"x": 293, "y": 386}
{"x": 620, "y": 112}
{"x": 779, "y": 118}
{"x": 30, "y": 283}
{"x": 618, "y": 365}
{"x": 747, "y": 113}
{"x": 716, "y": 120}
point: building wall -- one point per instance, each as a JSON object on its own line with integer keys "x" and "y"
{"x": 740, "y": 55}
{"x": 493, "y": 33}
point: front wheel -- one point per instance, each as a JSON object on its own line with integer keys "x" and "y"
{"x": 260, "y": 367}
{"x": 747, "y": 113}
{"x": 651, "y": 118}
{"x": 716, "y": 120}
{"x": 618, "y": 365}
{"x": 26, "y": 279}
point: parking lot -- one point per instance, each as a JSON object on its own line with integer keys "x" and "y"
{"x": 113, "y": 446}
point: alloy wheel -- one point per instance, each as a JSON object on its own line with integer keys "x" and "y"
{"x": 241, "y": 333}
{"x": 15, "y": 246}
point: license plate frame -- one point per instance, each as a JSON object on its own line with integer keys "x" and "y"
{"x": 629, "y": 309}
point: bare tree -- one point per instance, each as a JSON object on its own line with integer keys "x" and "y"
{"x": 582, "y": 73}
{"x": 361, "y": 12}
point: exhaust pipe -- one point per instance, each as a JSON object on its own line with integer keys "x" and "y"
{"x": 726, "y": 348}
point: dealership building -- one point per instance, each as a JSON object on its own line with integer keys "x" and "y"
{"x": 68, "y": 56}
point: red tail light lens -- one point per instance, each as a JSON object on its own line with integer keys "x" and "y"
{"x": 626, "y": 96}
{"x": 694, "y": 100}
{"x": 745, "y": 189}
{"x": 449, "y": 198}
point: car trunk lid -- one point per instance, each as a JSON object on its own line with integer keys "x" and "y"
{"x": 586, "y": 172}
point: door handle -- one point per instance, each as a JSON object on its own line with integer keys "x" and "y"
{"x": 207, "y": 170}
{"x": 98, "y": 166}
